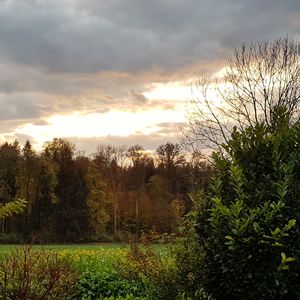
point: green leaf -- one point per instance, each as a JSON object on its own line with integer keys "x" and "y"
{"x": 276, "y": 231}
{"x": 290, "y": 224}
{"x": 290, "y": 259}
{"x": 12, "y": 208}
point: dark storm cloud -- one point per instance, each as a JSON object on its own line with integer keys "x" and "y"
{"x": 93, "y": 36}
{"x": 16, "y": 106}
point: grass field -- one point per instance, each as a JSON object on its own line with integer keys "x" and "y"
{"x": 6, "y": 249}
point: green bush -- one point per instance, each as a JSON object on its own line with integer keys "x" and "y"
{"x": 128, "y": 297}
{"x": 10, "y": 238}
{"x": 189, "y": 255}
{"x": 155, "y": 271}
{"x": 247, "y": 229}
{"x": 96, "y": 285}
{"x": 144, "y": 272}
{"x": 246, "y": 251}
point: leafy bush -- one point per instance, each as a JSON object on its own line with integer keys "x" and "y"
{"x": 246, "y": 250}
{"x": 99, "y": 275}
{"x": 128, "y": 297}
{"x": 154, "y": 237}
{"x": 155, "y": 272}
{"x": 94, "y": 285}
{"x": 247, "y": 229}
{"x": 10, "y": 238}
{"x": 189, "y": 255}
{"x": 35, "y": 274}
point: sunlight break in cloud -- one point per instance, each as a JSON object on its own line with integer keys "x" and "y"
{"x": 170, "y": 91}
{"x": 113, "y": 123}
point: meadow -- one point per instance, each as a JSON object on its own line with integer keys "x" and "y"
{"x": 94, "y": 271}
{"x": 6, "y": 249}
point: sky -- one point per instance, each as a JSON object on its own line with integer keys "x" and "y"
{"x": 120, "y": 71}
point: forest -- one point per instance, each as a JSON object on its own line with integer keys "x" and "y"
{"x": 116, "y": 194}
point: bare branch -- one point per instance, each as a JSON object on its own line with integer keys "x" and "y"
{"x": 260, "y": 77}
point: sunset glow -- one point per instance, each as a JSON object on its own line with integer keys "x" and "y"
{"x": 170, "y": 91}
{"x": 114, "y": 123}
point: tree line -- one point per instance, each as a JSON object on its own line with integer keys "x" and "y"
{"x": 116, "y": 193}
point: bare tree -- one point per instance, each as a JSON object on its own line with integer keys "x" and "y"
{"x": 169, "y": 155}
{"x": 136, "y": 155}
{"x": 111, "y": 160}
{"x": 259, "y": 78}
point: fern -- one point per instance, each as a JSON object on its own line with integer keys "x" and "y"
{"x": 12, "y": 208}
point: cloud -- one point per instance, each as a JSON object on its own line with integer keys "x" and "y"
{"x": 59, "y": 57}
{"x": 169, "y": 128}
{"x": 87, "y": 36}
{"x": 149, "y": 142}
{"x": 136, "y": 97}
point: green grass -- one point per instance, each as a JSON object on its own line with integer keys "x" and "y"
{"x": 6, "y": 249}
